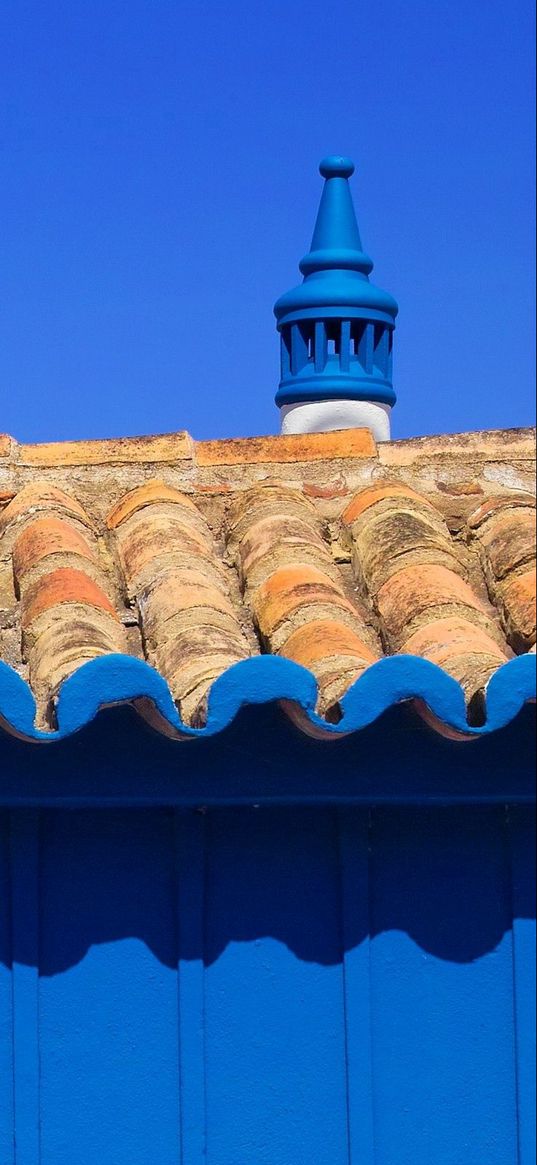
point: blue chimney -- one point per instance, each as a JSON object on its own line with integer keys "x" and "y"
{"x": 336, "y": 327}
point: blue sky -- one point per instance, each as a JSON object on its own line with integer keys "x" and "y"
{"x": 159, "y": 183}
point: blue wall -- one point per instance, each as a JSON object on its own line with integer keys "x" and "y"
{"x": 315, "y": 976}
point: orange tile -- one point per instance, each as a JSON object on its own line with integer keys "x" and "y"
{"x": 492, "y": 506}
{"x": 340, "y": 445}
{"x": 37, "y": 495}
{"x": 174, "y": 593}
{"x": 64, "y": 644}
{"x": 380, "y": 493}
{"x": 291, "y": 588}
{"x": 159, "y": 537}
{"x": 519, "y": 598}
{"x": 170, "y": 448}
{"x": 326, "y": 639}
{"x": 273, "y": 535}
{"x": 508, "y": 540}
{"x": 277, "y": 502}
{"x": 64, "y": 585}
{"x": 441, "y": 639}
{"x": 151, "y": 493}
{"x": 410, "y": 591}
{"x": 290, "y": 578}
{"x": 47, "y": 536}
{"x": 399, "y": 535}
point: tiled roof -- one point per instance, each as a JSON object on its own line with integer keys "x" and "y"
{"x": 325, "y": 550}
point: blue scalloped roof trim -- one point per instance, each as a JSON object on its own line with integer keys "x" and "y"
{"x": 119, "y": 679}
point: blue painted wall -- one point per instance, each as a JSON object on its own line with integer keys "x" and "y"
{"x": 265, "y": 950}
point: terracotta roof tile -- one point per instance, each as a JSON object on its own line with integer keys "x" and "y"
{"x": 387, "y": 491}
{"x": 289, "y": 589}
{"x": 504, "y": 531}
{"x": 63, "y": 639}
{"x": 305, "y": 447}
{"x": 492, "y": 506}
{"x": 508, "y": 540}
{"x": 37, "y": 497}
{"x": 173, "y": 573}
{"x": 322, "y": 549}
{"x": 517, "y": 595}
{"x": 140, "y": 450}
{"x": 418, "y": 580}
{"x": 466, "y": 652}
{"x": 63, "y": 585}
{"x": 396, "y": 530}
{"x": 295, "y": 590}
{"x": 66, "y": 615}
{"x": 418, "y": 593}
{"x": 151, "y": 493}
{"x": 46, "y": 537}
{"x": 326, "y": 643}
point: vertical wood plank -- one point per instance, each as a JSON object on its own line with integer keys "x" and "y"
{"x": 442, "y": 987}
{"x": 521, "y": 825}
{"x": 24, "y": 857}
{"x": 275, "y": 1043}
{"x": 355, "y": 891}
{"x": 190, "y": 850}
{"x": 108, "y": 1005}
{"x": 6, "y": 997}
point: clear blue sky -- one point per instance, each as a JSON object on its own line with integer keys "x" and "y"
{"x": 159, "y": 184}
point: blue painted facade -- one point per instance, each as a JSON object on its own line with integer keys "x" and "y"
{"x": 259, "y": 948}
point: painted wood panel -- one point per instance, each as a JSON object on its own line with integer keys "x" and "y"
{"x": 108, "y": 988}
{"x": 275, "y": 1032}
{"x": 6, "y": 998}
{"x": 442, "y": 988}
{"x": 244, "y": 986}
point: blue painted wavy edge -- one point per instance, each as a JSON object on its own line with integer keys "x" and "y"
{"x": 119, "y": 679}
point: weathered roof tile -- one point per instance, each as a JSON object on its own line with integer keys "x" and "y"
{"x": 465, "y": 651}
{"x": 294, "y": 588}
{"x": 305, "y": 447}
{"x": 172, "y": 572}
{"x": 116, "y": 451}
{"x": 322, "y": 549}
{"x": 36, "y": 497}
{"x": 47, "y": 537}
{"x": 150, "y": 494}
{"x": 63, "y": 585}
{"x": 417, "y": 593}
{"x": 66, "y": 615}
{"x": 504, "y": 531}
{"x": 517, "y": 597}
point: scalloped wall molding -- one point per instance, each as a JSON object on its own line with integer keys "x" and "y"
{"x": 120, "y": 679}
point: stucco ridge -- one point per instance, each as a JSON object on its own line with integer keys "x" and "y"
{"x": 120, "y": 679}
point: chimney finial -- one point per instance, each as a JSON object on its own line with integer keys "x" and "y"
{"x": 336, "y": 327}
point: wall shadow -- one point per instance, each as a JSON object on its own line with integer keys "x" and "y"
{"x": 318, "y": 880}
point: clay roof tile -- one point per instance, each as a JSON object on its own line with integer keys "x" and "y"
{"x": 324, "y": 549}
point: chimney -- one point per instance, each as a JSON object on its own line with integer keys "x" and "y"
{"x": 336, "y": 327}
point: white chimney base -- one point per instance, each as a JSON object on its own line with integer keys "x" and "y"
{"x": 322, "y": 416}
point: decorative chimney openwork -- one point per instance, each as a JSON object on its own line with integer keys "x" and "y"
{"x": 343, "y": 350}
{"x": 336, "y": 327}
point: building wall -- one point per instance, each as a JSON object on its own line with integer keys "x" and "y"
{"x": 306, "y": 983}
